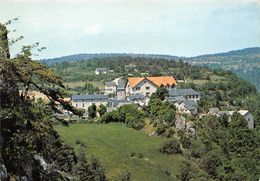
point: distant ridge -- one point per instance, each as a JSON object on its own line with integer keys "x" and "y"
{"x": 89, "y": 56}
{"x": 251, "y": 50}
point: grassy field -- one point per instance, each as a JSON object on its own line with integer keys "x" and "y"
{"x": 114, "y": 144}
{"x": 98, "y": 84}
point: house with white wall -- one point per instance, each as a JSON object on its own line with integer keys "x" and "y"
{"x": 84, "y": 101}
{"x": 100, "y": 71}
{"x": 110, "y": 88}
{"x": 148, "y": 85}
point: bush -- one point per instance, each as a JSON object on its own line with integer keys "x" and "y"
{"x": 185, "y": 141}
{"x": 112, "y": 116}
{"x": 102, "y": 110}
{"x": 171, "y": 146}
{"x": 132, "y": 154}
{"x": 134, "y": 122}
{"x": 169, "y": 133}
{"x": 140, "y": 155}
{"x": 92, "y": 111}
{"x": 161, "y": 128}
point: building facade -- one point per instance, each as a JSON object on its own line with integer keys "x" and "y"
{"x": 100, "y": 71}
{"x": 148, "y": 85}
{"x": 84, "y": 101}
{"x": 189, "y": 94}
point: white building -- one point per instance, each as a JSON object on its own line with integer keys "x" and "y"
{"x": 110, "y": 88}
{"x": 116, "y": 87}
{"x": 148, "y": 85}
{"x": 100, "y": 71}
{"x": 84, "y": 101}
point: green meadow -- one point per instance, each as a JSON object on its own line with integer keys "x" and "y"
{"x": 120, "y": 149}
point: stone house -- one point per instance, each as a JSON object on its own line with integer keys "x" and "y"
{"x": 244, "y": 113}
{"x": 186, "y": 106}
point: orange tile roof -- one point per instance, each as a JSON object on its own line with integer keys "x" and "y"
{"x": 163, "y": 80}
{"x": 135, "y": 80}
{"x": 158, "y": 81}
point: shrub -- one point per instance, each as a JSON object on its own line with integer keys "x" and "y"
{"x": 185, "y": 141}
{"x": 134, "y": 122}
{"x": 171, "y": 146}
{"x": 169, "y": 133}
{"x": 92, "y": 111}
{"x": 132, "y": 154}
{"x": 161, "y": 128}
{"x": 140, "y": 155}
{"x": 112, "y": 116}
{"x": 102, "y": 110}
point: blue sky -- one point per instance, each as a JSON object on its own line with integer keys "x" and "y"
{"x": 177, "y": 27}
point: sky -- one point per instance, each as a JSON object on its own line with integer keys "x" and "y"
{"x": 176, "y": 27}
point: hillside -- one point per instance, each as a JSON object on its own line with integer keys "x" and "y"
{"x": 245, "y": 62}
{"x": 124, "y": 150}
{"x": 214, "y": 152}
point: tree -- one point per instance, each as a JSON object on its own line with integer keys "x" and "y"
{"x": 92, "y": 111}
{"x": 102, "y": 109}
{"x": 29, "y": 143}
{"x": 171, "y": 146}
{"x": 160, "y": 93}
{"x": 88, "y": 170}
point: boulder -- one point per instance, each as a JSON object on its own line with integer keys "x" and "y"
{"x": 180, "y": 122}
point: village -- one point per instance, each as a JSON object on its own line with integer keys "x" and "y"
{"x": 138, "y": 90}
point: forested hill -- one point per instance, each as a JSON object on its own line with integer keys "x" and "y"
{"x": 245, "y": 62}
{"x": 89, "y": 56}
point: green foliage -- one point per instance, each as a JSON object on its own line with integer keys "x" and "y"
{"x": 171, "y": 146}
{"x": 185, "y": 141}
{"x": 223, "y": 148}
{"x": 92, "y": 111}
{"x": 118, "y": 147}
{"x": 112, "y": 116}
{"x": 28, "y": 138}
{"x": 163, "y": 111}
{"x": 102, "y": 109}
{"x": 128, "y": 114}
{"x": 88, "y": 170}
{"x": 211, "y": 161}
{"x": 190, "y": 171}
{"x": 160, "y": 93}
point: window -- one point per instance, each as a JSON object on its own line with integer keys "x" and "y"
{"x": 83, "y": 105}
{"x": 147, "y": 88}
{"x": 76, "y": 105}
{"x": 137, "y": 88}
